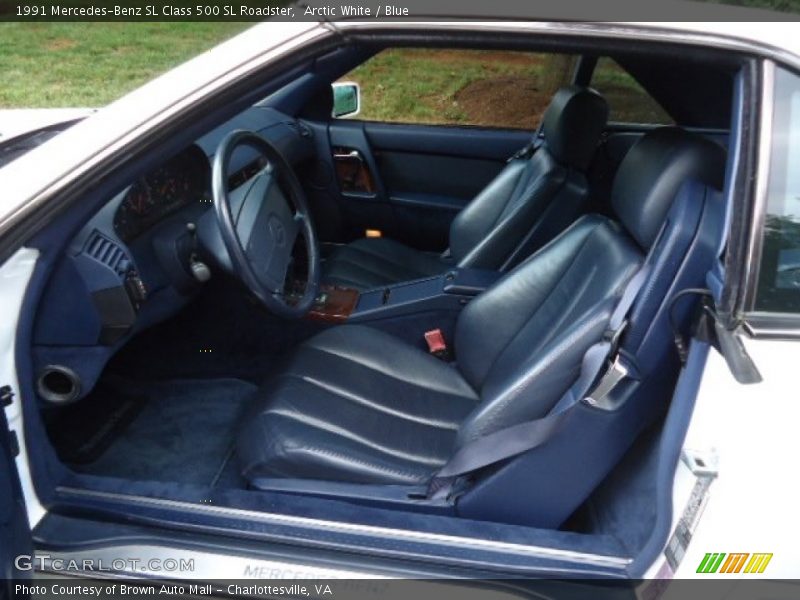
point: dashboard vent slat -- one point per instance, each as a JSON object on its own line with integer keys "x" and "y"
{"x": 105, "y": 251}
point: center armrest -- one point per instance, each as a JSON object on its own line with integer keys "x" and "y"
{"x": 448, "y": 292}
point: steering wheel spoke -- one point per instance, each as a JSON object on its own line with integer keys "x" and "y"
{"x": 249, "y": 205}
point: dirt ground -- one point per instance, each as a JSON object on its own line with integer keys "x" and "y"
{"x": 514, "y": 101}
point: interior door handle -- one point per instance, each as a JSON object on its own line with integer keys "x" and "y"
{"x": 352, "y": 155}
{"x": 352, "y": 171}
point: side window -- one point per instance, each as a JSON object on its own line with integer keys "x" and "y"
{"x": 779, "y": 273}
{"x": 484, "y": 88}
{"x": 628, "y": 101}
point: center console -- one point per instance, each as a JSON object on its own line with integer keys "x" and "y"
{"x": 449, "y": 292}
{"x": 334, "y": 304}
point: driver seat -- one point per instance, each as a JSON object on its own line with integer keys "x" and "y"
{"x": 357, "y": 405}
{"x": 532, "y": 199}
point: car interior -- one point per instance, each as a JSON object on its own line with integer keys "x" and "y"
{"x": 313, "y": 315}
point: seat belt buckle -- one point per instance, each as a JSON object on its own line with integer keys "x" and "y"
{"x": 598, "y": 397}
{"x": 436, "y": 344}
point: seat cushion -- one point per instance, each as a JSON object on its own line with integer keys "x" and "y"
{"x": 356, "y": 405}
{"x": 373, "y": 262}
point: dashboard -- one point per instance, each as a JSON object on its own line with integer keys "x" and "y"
{"x": 180, "y": 181}
{"x": 134, "y": 262}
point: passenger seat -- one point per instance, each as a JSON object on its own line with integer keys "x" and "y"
{"x": 532, "y": 200}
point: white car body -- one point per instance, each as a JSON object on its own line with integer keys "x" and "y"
{"x": 749, "y": 430}
{"x": 18, "y": 121}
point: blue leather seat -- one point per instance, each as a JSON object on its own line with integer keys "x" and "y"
{"x": 357, "y": 405}
{"x": 532, "y": 200}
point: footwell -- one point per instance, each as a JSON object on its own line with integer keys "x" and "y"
{"x": 179, "y": 431}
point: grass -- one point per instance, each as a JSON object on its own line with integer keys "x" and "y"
{"x": 488, "y": 88}
{"x": 421, "y": 85}
{"x": 628, "y": 102}
{"x": 91, "y": 64}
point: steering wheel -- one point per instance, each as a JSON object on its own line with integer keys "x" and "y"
{"x": 259, "y": 226}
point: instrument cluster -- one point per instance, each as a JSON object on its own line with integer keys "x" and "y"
{"x": 184, "y": 179}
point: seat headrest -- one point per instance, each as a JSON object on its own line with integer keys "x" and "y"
{"x": 650, "y": 175}
{"x": 573, "y": 123}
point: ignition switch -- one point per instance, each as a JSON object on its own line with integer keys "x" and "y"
{"x": 198, "y": 268}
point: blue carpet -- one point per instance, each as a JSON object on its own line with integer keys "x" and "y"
{"x": 184, "y": 433}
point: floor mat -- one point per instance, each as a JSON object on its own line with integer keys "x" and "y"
{"x": 81, "y": 432}
{"x": 183, "y": 432}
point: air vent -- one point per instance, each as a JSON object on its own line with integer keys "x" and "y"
{"x": 105, "y": 251}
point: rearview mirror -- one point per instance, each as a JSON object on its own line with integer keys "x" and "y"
{"x": 346, "y": 99}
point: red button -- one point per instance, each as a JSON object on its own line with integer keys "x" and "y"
{"x": 436, "y": 343}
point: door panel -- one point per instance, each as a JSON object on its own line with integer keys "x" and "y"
{"x": 453, "y": 179}
{"x": 409, "y": 181}
{"x": 465, "y": 142}
{"x": 15, "y": 535}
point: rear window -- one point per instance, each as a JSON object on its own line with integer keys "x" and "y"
{"x": 628, "y": 101}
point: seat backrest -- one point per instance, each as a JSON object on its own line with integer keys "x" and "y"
{"x": 515, "y": 204}
{"x": 653, "y": 171}
{"x": 520, "y": 344}
{"x": 658, "y": 176}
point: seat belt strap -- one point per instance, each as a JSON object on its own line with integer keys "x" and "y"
{"x": 516, "y": 439}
